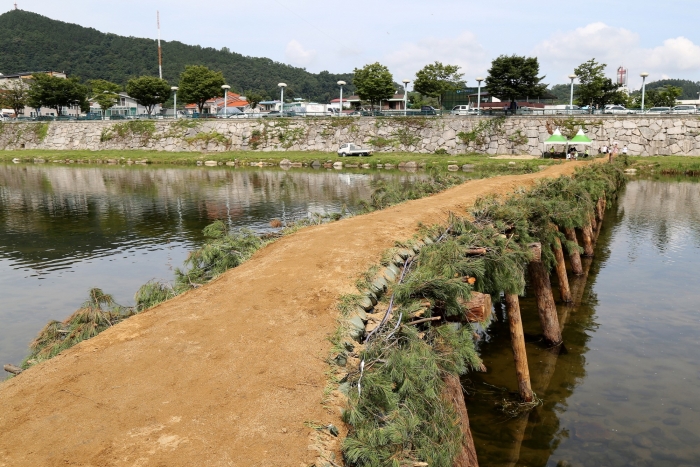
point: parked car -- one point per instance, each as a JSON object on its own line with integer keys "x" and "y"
{"x": 463, "y": 110}
{"x": 428, "y": 110}
{"x": 659, "y": 110}
{"x": 616, "y": 109}
{"x": 349, "y": 149}
{"x": 230, "y": 112}
{"x": 684, "y": 109}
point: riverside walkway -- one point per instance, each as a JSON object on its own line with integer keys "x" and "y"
{"x": 225, "y": 375}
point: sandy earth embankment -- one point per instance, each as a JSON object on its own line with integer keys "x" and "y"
{"x": 225, "y": 375}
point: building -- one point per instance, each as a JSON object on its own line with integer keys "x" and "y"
{"x": 126, "y": 106}
{"x": 212, "y": 106}
{"x": 396, "y": 102}
{"x": 44, "y": 111}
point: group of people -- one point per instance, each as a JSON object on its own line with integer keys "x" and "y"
{"x": 612, "y": 152}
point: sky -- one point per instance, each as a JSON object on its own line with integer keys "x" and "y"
{"x": 661, "y": 38}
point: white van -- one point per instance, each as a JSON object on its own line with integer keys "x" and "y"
{"x": 463, "y": 110}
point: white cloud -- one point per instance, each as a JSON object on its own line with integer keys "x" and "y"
{"x": 463, "y": 50}
{"x": 563, "y": 51}
{"x": 297, "y": 55}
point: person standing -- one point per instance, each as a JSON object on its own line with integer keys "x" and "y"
{"x": 624, "y": 150}
{"x": 604, "y": 150}
{"x": 613, "y": 153}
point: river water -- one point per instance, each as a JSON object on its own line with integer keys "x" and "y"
{"x": 64, "y": 230}
{"x": 626, "y": 390}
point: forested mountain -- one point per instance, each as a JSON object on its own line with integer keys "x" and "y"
{"x": 690, "y": 88}
{"x": 31, "y": 42}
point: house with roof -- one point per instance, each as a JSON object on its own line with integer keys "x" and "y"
{"x": 26, "y": 78}
{"x": 214, "y": 105}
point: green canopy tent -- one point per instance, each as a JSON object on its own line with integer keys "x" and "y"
{"x": 580, "y": 138}
{"x": 556, "y": 139}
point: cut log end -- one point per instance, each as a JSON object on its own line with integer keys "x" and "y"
{"x": 10, "y": 368}
{"x": 478, "y": 308}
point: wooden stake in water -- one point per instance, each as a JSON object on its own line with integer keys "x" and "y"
{"x": 561, "y": 271}
{"x": 517, "y": 341}
{"x": 454, "y": 394}
{"x": 574, "y": 256}
{"x": 539, "y": 278}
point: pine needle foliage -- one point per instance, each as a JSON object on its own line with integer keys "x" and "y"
{"x": 224, "y": 249}
{"x": 152, "y": 293}
{"x": 400, "y": 417}
{"x": 96, "y": 314}
{"x": 388, "y": 193}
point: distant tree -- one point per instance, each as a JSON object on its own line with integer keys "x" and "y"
{"x": 14, "y": 95}
{"x": 55, "y": 93}
{"x": 435, "y": 79}
{"x": 690, "y": 88}
{"x": 417, "y": 100}
{"x": 374, "y": 82}
{"x": 198, "y": 84}
{"x": 594, "y": 88}
{"x": 148, "y": 91}
{"x": 658, "y": 97}
{"x": 253, "y": 98}
{"x": 514, "y": 76}
{"x": 104, "y": 93}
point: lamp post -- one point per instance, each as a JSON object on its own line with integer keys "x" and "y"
{"x": 225, "y": 87}
{"x": 341, "y": 84}
{"x": 282, "y": 86}
{"x": 478, "y": 95}
{"x": 405, "y": 96}
{"x": 571, "y": 98}
{"x": 174, "y": 89}
{"x": 644, "y": 78}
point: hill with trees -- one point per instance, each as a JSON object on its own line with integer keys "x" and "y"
{"x": 32, "y": 42}
{"x": 690, "y": 88}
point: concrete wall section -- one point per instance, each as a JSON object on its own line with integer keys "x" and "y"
{"x": 516, "y": 135}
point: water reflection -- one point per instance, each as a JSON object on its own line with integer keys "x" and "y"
{"x": 66, "y": 229}
{"x": 625, "y": 392}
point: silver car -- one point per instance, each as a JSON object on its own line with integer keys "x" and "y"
{"x": 659, "y": 110}
{"x": 684, "y": 109}
{"x": 616, "y": 109}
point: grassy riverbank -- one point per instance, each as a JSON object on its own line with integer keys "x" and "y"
{"x": 672, "y": 165}
{"x": 247, "y": 157}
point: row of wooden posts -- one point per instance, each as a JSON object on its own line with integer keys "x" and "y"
{"x": 542, "y": 288}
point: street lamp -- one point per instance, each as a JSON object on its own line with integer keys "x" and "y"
{"x": 571, "y": 99}
{"x": 174, "y": 89}
{"x": 225, "y": 87}
{"x": 478, "y": 95}
{"x": 282, "y": 86}
{"x": 341, "y": 84}
{"x": 405, "y": 95}
{"x": 644, "y": 78}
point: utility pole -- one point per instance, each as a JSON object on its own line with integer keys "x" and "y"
{"x": 160, "y": 52}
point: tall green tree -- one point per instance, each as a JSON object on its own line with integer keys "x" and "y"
{"x": 104, "y": 93}
{"x": 512, "y": 76}
{"x": 56, "y": 93}
{"x": 198, "y": 84}
{"x": 253, "y": 98}
{"x": 14, "y": 95}
{"x": 148, "y": 91}
{"x": 594, "y": 89}
{"x": 374, "y": 83}
{"x": 658, "y": 97}
{"x": 435, "y": 79}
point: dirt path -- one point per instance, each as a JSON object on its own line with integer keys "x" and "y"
{"x": 222, "y": 376}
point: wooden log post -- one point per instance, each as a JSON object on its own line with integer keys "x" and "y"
{"x": 542, "y": 287}
{"x": 587, "y": 235}
{"x": 454, "y": 394}
{"x": 600, "y": 209}
{"x": 478, "y": 308}
{"x": 593, "y": 222}
{"x": 561, "y": 271}
{"x": 10, "y": 368}
{"x": 574, "y": 256}
{"x": 517, "y": 341}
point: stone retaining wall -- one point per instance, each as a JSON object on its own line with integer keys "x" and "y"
{"x": 678, "y": 135}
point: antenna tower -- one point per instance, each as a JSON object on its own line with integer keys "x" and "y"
{"x": 160, "y": 52}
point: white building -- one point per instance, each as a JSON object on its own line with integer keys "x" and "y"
{"x": 44, "y": 111}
